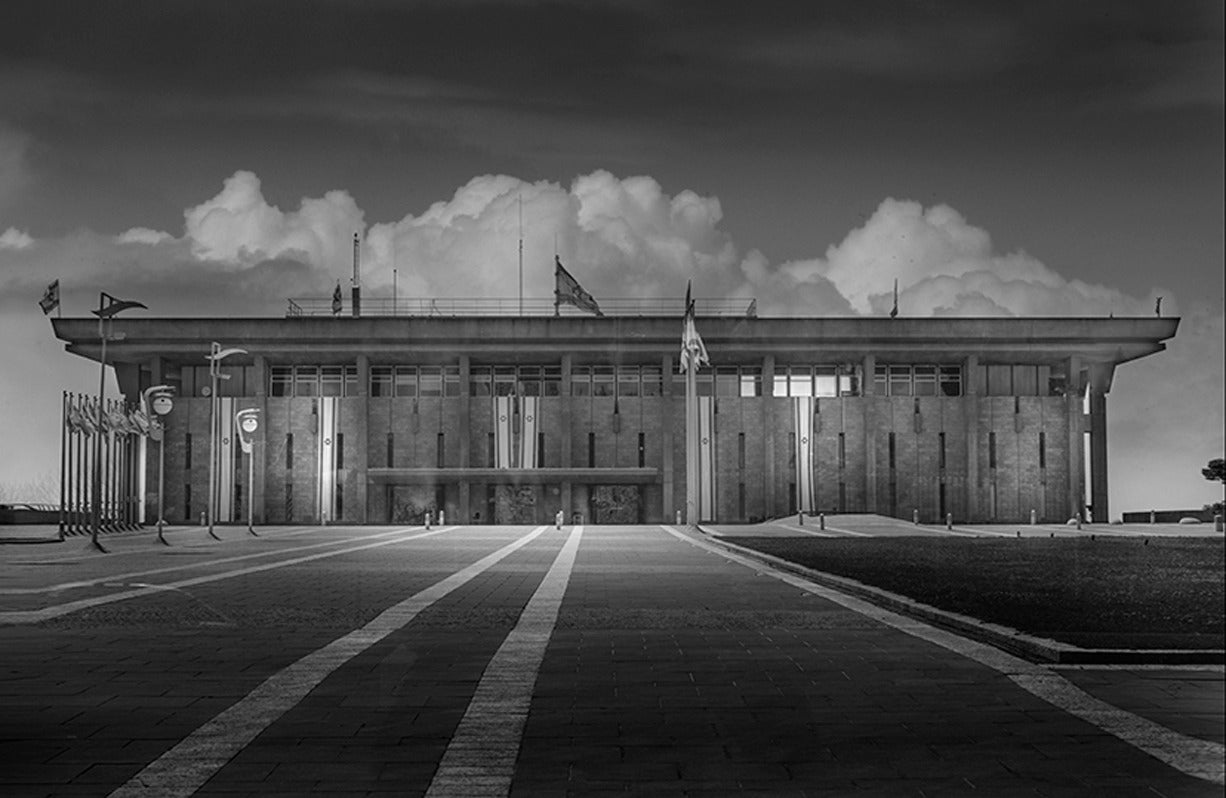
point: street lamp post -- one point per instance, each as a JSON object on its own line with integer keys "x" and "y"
{"x": 158, "y": 403}
{"x": 108, "y": 307}
{"x": 248, "y": 421}
{"x": 215, "y": 356}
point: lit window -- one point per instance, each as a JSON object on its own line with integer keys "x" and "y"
{"x": 825, "y": 381}
{"x": 751, "y": 381}
{"x": 800, "y": 382}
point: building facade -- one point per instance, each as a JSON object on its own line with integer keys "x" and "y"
{"x": 508, "y": 419}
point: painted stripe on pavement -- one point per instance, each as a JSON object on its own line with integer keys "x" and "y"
{"x": 1200, "y": 758}
{"x": 56, "y": 610}
{"x": 185, "y": 768}
{"x": 480, "y": 760}
{"x": 21, "y": 591}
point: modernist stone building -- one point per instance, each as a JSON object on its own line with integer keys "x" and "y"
{"x": 497, "y": 418}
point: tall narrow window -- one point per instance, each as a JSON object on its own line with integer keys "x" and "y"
{"x": 740, "y": 451}
{"x": 187, "y": 451}
{"x": 591, "y": 450}
{"x": 391, "y": 449}
{"x": 842, "y": 497}
{"x": 442, "y": 451}
{"x": 493, "y": 461}
{"x": 792, "y": 452}
{"x": 340, "y": 450}
{"x": 1042, "y": 450}
{"x": 842, "y": 450}
{"x": 740, "y": 501}
{"x": 540, "y": 450}
{"x": 187, "y": 502}
{"x": 289, "y": 451}
{"x": 289, "y": 501}
{"x": 892, "y": 451}
{"x": 642, "y": 450}
{"x": 991, "y": 450}
{"x": 941, "y": 450}
{"x": 340, "y": 501}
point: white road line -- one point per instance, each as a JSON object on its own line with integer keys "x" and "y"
{"x": 22, "y": 591}
{"x": 185, "y": 768}
{"x": 56, "y": 610}
{"x": 480, "y": 759}
{"x": 1195, "y": 757}
{"x": 802, "y": 530}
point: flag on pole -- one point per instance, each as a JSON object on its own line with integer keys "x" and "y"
{"x": 693, "y": 351}
{"x": 894, "y": 311}
{"x": 567, "y": 289}
{"x": 336, "y": 299}
{"x": 51, "y": 298}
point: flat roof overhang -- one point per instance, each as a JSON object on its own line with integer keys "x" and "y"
{"x": 503, "y": 339}
{"x": 517, "y": 476}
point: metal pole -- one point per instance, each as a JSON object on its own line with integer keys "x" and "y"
{"x": 213, "y": 442}
{"x": 96, "y": 495}
{"x": 63, "y": 457}
{"x": 250, "y": 489}
{"x": 161, "y": 474}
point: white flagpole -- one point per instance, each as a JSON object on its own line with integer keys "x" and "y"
{"x": 691, "y": 440}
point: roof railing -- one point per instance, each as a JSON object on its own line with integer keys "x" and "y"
{"x": 425, "y": 308}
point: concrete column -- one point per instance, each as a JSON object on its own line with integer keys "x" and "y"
{"x": 1100, "y": 385}
{"x": 567, "y": 432}
{"x": 464, "y": 499}
{"x": 259, "y": 487}
{"x": 868, "y": 406}
{"x": 769, "y": 480}
{"x": 666, "y": 439}
{"x": 362, "y": 460}
{"x": 1076, "y": 429}
{"x": 970, "y": 387}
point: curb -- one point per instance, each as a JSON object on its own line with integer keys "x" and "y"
{"x": 1035, "y": 649}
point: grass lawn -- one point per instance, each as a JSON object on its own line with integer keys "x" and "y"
{"x": 1112, "y": 592}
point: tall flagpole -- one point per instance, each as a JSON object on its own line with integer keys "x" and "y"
{"x": 691, "y": 439}
{"x": 521, "y": 255}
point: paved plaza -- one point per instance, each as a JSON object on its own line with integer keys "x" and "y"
{"x": 533, "y": 661}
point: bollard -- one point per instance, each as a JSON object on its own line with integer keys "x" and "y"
{"x": 800, "y": 518}
{"x": 1217, "y": 523}
{"x": 1019, "y": 533}
{"x": 1079, "y": 520}
{"x": 915, "y": 517}
{"x": 678, "y": 518}
{"x": 1034, "y": 517}
{"x": 427, "y": 519}
{"x": 949, "y": 520}
{"x": 821, "y": 521}
{"x": 442, "y": 518}
{"x": 1153, "y": 517}
{"x": 202, "y": 521}
{"x": 557, "y": 519}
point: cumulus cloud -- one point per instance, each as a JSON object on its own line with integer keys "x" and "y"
{"x": 13, "y": 238}
{"x": 143, "y": 235}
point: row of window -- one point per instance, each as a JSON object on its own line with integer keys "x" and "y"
{"x": 630, "y": 381}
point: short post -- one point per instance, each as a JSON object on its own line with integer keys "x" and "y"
{"x": 949, "y": 520}
{"x": 678, "y": 518}
{"x": 1217, "y": 523}
{"x": 800, "y": 518}
{"x": 427, "y": 519}
{"x": 1034, "y": 517}
{"x": 1153, "y": 517}
{"x": 1079, "y": 519}
{"x": 202, "y": 523}
{"x": 915, "y": 516}
{"x": 441, "y": 518}
{"x": 821, "y": 521}
{"x": 557, "y": 520}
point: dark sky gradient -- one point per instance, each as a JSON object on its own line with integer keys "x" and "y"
{"x": 1088, "y": 135}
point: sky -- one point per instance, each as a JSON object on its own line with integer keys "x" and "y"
{"x": 1041, "y": 158}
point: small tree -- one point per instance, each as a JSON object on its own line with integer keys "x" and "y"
{"x": 1216, "y": 472}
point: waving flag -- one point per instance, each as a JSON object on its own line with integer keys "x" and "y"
{"x": 336, "y": 299}
{"x": 693, "y": 351}
{"x": 51, "y": 298}
{"x": 567, "y": 289}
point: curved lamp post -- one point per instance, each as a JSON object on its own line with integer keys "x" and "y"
{"x": 158, "y": 402}
{"x": 108, "y": 307}
{"x": 248, "y": 422}
{"x": 215, "y": 356}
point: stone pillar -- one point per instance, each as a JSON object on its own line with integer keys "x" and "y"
{"x": 567, "y": 432}
{"x": 1099, "y": 386}
{"x": 362, "y": 460}
{"x": 970, "y": 409}
{"x": 1076, "y": 430}
{"x": 464, "y": 500}
{"x": 259, "y": 488}
{"x": 868, "y": 405}
{"x": 666, "y": 438}
{"x": 769, "y": 478}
